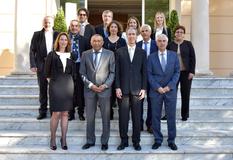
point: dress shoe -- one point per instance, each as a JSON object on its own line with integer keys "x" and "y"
{"x": 53, "y": 146}
{"x": 164, "y": 117}
{"x": 184, "y": 119}
{"x": 87, "y": 145}
{"x": 41, "y": 116}
{"x": 122, "y": 146}
{"x": 137, "y": 146}
{"x": 111, "y": 116}
{"x": 172, "y": 146}
{"x": 63, "y": 146}
{"x": 156, "y": 145}
{"x": 81, "y": 117}
{"x": 71, "y": 117}
{"x": 142, "y": 129}
{"x": 150, "y": 130}
{"x": 104, "y": 147}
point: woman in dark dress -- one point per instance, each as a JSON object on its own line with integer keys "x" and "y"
{"x": 113, "y": 42}
{"x": 59, "y": 70}
{"x": 187, "y": 61}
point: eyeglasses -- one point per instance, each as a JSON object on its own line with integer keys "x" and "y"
{"x": 82, "y": 14}
{"x": 178, "y": 32}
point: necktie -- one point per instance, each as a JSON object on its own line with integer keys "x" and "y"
{"x": 145, "y": 46}
{"x": 96, "y": 59}
{"x": 163, "y": 62}
{"x": 82, "y": 30}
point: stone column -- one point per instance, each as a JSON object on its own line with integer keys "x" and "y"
{"x": 175, "y": 5}
{"x": 200, "y": 35}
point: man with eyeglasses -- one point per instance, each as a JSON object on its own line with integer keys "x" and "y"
{"x": 86, "y": 29}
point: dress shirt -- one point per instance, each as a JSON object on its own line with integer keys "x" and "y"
{"x": 148, "y": 47}
{"x": 49, "y": 40}
{"x": 158, "y": 31}
{"x": 63, "y": 57}
{"x": 131, "y": 51}
{"x": 165, "y": 56}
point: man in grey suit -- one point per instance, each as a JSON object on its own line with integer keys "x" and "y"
{"x": 97, "y": 71}
{"x": 163, "y": 74}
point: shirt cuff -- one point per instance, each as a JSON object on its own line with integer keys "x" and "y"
{"x": 90, "y": 85}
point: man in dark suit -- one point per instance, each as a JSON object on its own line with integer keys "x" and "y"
{"x": 97, "y": 70}
{"x": 130, "y": 84}
{"x": 86, "y": 29}
{"x": 150, "y": 47}
{"x": 41, "y": 44}
{"x": 79, "y": 44}
{"x": 101, "y": 29}
{"x": 163, "y": 74}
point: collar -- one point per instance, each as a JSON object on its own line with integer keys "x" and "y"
{"x": 131, "y": 47}
{"x": 100, "y": 51}
{"x": 160, "y": 53}
{"x": 147, "y": 41}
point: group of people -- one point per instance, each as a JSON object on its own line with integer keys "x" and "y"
{"x": 103, "y": 66}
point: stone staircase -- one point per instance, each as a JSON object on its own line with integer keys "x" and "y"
{"x": 208, "y": 134}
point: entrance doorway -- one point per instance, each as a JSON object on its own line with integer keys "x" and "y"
{"x": 122, "y": 10}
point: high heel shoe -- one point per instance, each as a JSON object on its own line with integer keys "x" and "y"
{"x": 53, "y": 146}
{"x": 64, "y": 147}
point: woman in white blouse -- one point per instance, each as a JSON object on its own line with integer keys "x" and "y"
{"x": 60, "y": 71}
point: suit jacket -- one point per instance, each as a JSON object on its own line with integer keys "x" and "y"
{"x": 99, "y": 29}
{"x": 38, "y": 50}
{"x": 165, "y": 31}
{"x": 89, "y": 31}
{"x": 187, "y": 54}
{"x": 131, "y": 76}
{"x": 104, "y": 74}
{"x": 157, "y": 78}
{"x": 153, "y": 46}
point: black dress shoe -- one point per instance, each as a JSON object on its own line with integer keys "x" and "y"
{"x": 104, "y": 147}
{"x": 71, "y": 117}
{"x": 172, "y": 146}
{"x": 184, "y": 119}
{"x": 63, "y": 146}
{"x": 142, "y": 129}
{"x": 122, "y": 146}
{"x": 81, "y": 117}
{"x": 164, "y": 117}
{"x": 111, "y": 116}
{"x": 137, "y": 146}
{"x": 156, "y": 145}
{"x": 150, "y": 130}
{"x": 87, "y": 145}
{"x": 53, "y": 146}
{"x": 41, "y": 116}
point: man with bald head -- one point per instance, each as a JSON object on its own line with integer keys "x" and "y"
{"x": 97, "y": 71}
{"x": 41, "y": 44}
{"x": 163, "y": 72}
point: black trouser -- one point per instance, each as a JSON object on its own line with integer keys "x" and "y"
{"x": 185, "y": 88}
{"x": 78, "y": 93}
{"x": 43, "y": 95}
{"x": 125, "y": 104}
{"x": 113, "y": 98}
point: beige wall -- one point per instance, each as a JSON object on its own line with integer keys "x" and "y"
{"x": 221, "y": 33}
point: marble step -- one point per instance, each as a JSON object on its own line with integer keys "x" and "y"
{"x": 28, "y": 124}
{"x": 184, "y": 137}
{"x": 184, "y": 152}
{"x": 194, "y": 101}
{"x": 197, "y": 112}
{"x": 197, "y": 82}
{"x": 195, "y": 91}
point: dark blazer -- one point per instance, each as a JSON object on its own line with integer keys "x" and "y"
{"x": 38, "y": 51}
{"x": 131, "y": 76}
{"x": 153, "y": 46}
{"x": 89, "y": 31}
{"x": 99, "y": 29}
{"x": 187, "y": 54}
{"x": 165, "y": 31}
{"x": 157, "y": 78}
{"x": 103, "y": 74}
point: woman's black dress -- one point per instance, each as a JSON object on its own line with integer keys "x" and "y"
{"x": 61, "y": 85}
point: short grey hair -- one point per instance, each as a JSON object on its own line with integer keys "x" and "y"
{"x": 129, "y": 29}
{"x": 146, "y": 26}
{"x": 164, "y": 36}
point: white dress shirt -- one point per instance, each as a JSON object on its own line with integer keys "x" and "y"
{"x": 131, "y": 51}
{"x": 63, "y": 57}
{"x": 49, "y": 41}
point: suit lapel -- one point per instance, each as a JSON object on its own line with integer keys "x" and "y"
{"x": 158, "y": 61}
{"x": 102, "y": 57}
{"x": 91, "y": 59}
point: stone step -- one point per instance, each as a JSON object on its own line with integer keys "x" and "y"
{"x": 28, "y": 124}
{"x": 198, "y": 91}
{"x": 194, "y": 101}
{"x": 201, "y": 112}
{"x": 19, "y": 80}
{"x": 184, "y": 137}
{"x": 184, "y": 152}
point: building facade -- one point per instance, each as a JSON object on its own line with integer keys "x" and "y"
{"x": 208, "y": 24}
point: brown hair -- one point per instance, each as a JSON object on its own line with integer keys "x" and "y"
{"x": 85, "y": 10}
{"x": 119, "y": 26}
{"x": 56, "y": 44}
{"x": 180, "y": 27}
{"x": 137, "y": 21}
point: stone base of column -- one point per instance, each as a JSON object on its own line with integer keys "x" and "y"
{"x": 204, "y": 73}
{"x": 27, "y": 74}
{"x": 231, "y": 74}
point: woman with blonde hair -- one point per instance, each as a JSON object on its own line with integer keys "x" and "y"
{"x": 160, "y": 26}
{"x": 133, "y": 22}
